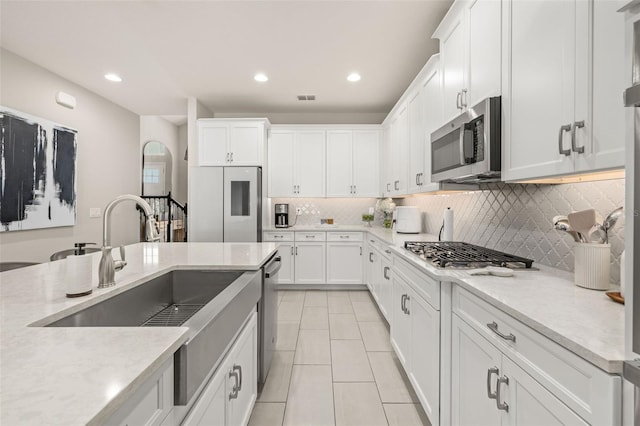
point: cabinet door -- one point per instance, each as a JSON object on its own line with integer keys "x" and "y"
{"x": 245, "y": 364}
{"x": 213, "y": 144}
{"x": 416, "y": 117}
{"x": 472, "y": 357}
{"x": 452, "y": 55}
{"x": 603, "y": 138}
{"x": 246, "y": 144}
{"x": 385, "y": 289}
{"x": 530, "y": 403}
{"x": 339, "y": 162}
{"x": 401, "y": 323}
{"x": 344, "y": 263}
{"x": 366, "y": 163}
{"x": 285, "y": 274}
{"x": 281, "y": 167}
{"x": 211, "y": 407}
{"x": 310, "y": 163}
{"x": 310, "y": 263}
{"x": 399, "y": 152}
{"x": 539, "y": 96}
{"x": 483, "y": 71}
{"x": 369, "y": 271}
{"x": 425, "y": 355}
{"x": 386, "y": 163}
{"x": 432, "y": 102}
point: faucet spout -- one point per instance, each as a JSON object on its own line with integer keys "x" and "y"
{"x": 108, "y": 266}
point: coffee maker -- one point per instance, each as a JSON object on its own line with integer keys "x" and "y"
{"x": 282, "y": 215}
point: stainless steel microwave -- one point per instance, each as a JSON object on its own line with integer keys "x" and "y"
{"x": 468, "y": 148}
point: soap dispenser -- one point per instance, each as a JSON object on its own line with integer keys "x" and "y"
{"x": 78, "y": 272}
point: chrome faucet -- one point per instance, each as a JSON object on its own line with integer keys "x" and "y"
{"x": 108, "y": 266}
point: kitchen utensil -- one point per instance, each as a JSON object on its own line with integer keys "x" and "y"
{"x": 597, "y": 234}
{"x": 560, "y": 218}
{"x": 610, "y": 221}
{"x": 497, "y": 271}
{"x": 564, "y": 226}
{"x": 582, "y": 222}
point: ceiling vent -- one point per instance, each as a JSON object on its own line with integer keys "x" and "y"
{"x": 306, "y": 97}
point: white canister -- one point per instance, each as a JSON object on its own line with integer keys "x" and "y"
{"x": 592, "y": 263}
{"x": 78, "y": 274}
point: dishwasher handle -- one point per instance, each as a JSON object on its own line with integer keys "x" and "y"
{"x": 270, "y": 271}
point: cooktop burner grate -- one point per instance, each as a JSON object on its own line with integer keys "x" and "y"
{"x": 459, "y": 254}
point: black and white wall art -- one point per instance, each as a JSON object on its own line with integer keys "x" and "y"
{"x": 37, "y": 172}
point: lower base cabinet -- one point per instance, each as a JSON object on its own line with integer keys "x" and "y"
{"x": 231, "y": 393}
{"x": 344, "y": 263}
{"x": 490, "y": 389}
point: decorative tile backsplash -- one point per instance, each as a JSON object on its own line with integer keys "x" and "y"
{"x": 518, "y": 218}
{"x": 509, "y": 217}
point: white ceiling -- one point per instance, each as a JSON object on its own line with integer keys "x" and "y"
{"x": 167, "y": 51}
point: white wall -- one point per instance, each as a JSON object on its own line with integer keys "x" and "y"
{"x": 108, "y": 159}
{"x": 183, "y": 170}
{"x": 154, "y": 128}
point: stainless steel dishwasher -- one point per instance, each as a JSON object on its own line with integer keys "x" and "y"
{"x": 268, "y": 317}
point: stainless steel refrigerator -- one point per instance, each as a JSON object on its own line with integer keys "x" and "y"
{"x": 225, "y": 204}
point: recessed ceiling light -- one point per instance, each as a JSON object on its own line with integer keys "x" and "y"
{"x": 113, "y": 77}
{"x": 261, "y": 77}
{"x": 353, "y": 77}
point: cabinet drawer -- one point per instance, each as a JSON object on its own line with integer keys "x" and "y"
{"x": 590, "y": 392}
{"x": 379, "y": 245}
{"x": 344, "y": 236}
{"x": 310, "y": 236}
{"x": 278, "y": 236}
{"x": 425, "y": 286}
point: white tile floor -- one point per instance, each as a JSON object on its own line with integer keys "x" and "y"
{"x": 334, "y": 365}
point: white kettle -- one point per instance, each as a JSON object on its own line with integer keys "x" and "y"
{"x": 407, "y": 220}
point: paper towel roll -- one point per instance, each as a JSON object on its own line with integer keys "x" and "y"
{"x": 447, "y": 225}
{"x": 78, "y": 273}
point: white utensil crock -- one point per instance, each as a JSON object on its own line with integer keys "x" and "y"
{"x": 592, "y": 263}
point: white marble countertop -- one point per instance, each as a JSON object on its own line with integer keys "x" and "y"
{"x": 81, "y": 375}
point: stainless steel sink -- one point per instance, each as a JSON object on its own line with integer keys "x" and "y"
{"x": 168, "y": 300}
{"x": 212, "y": 304}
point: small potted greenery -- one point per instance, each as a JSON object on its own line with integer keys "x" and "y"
{"x": 368, "y": 218}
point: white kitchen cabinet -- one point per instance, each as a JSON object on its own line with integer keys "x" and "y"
{"x": 573, "y": 68}
{"x": 415, "y": 110}
{"x": 230, "y": 394}
{"x": 470, "y": 42}
{"x": 237, "y": 142}
{"x": 310, "y": 260}
{"x": 286, "y": 250}
{"x": 385, "y": 289}
{"x": 297, "y": 163}
{"x": 344, "y": 263}
{"x": 385, "y": 163}
{"x": 353, "y": 163}
{"x": 415, "y": 332}
{"x": 399, "y": 146}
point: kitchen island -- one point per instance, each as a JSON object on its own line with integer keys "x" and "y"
{"x": 82, "y": 375}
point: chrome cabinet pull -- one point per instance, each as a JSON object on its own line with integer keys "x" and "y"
{"x": 309, "y": 236}
{"x": 463, "y": 98}
{"x": 388, "y": 251}
{"x": 574, "y": 147}
{"x": 565, "y": 128}
{"x": 296, "y": 251}
{"x": 493, "y": 326}
{"x": 291, "y": 250}
{"x": 231, "y": 158}
{"x": 388, "y": 187}
{"x": 354, "y": 190}
{"x": 344, "y": 236}
{"x": 458, "y": 103}
{"x": 395, "y": 185}
{"x": 370, "y": 255}
{"x": 234, "y": 391}
{"x": 239, "y": 368}
{"x": 491, "y": 372}
{"x": 278, "y": 236}
{"x": 501, "y": 405}
{"x": 384, "y": 272}
{"x": 226, "y": 160}
{"x": 373, "y": 241}
{"x": 360, "y": 251}
{"x": 402, "y": 303}
{"x": 407, "y": 299}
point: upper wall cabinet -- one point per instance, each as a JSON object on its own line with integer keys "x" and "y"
{"x": 561, "y": 100}
{"x": 353, "y": 163}
{"x": 236, "y": 142}
{"x": 470, "y": 39}
{"x": 297, "y": 163}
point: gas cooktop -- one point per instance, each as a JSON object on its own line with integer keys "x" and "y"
{"x": 452, "y": 254}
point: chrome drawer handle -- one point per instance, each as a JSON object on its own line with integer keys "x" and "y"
{"x": 388, "y": 251}
{"x": 574, "y": 146}
{"x": 491, "y": 372}
{"x": 234, "y": 391}
{"x": 278, "y": 236}
{"x": 310, "y": 236}
{"x": 344, "y": 236}
{"x": 239, "y": 368}
{"x": 493, "y": 326}
{"x": 565, "y": 128}
{"x": 384, "y": 272}
{"x": 501, "y": 405}
{"x": 370, "y": 255}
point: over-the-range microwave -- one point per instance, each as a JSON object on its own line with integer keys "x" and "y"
{"x": 468, "y": 148}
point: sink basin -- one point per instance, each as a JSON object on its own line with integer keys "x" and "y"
{"x": 212, "y": 304}
{"x": 168, "y": 300}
